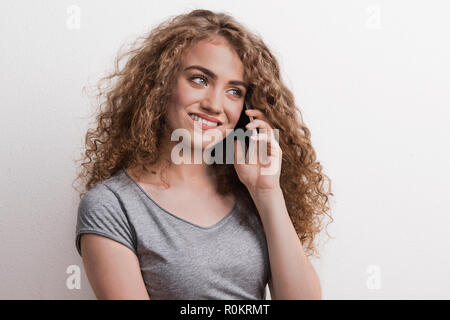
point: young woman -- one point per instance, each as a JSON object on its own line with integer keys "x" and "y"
{"x": 150, "y": 228}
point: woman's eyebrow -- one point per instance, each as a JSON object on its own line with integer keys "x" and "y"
{"x": 214, "y": 76}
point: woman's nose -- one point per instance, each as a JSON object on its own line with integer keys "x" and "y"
{"x": 213, "y": 102}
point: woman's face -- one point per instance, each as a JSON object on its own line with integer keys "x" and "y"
{"x": 209, "y": 85}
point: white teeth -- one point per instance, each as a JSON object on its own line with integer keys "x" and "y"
{"x": 209, "y": 123}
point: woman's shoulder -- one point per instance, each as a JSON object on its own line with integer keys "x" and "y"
{"x": 96, "y": 196}
{"x": 105, "y": 191}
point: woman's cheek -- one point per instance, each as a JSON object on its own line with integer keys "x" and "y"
{"x": 181, "y": 95}
{"x": 235, "y": 116}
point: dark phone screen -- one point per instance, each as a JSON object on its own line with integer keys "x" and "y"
{"x": 243, "y": 120}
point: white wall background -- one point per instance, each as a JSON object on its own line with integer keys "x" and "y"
{"x": 372, "y": 79}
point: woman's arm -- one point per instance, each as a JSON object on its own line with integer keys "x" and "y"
{"x": 292, "y": 275}
{"x": 112, "y": 269}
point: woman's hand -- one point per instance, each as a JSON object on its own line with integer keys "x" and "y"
{"x": 260, "y": 171}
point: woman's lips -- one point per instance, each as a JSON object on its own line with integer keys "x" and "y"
{"x": 206, "y": 117}
{"x": 203, "y": 125}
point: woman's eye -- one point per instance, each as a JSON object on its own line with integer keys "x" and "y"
{"x": 238, "y": 92}
{"x": 198, "y": 77}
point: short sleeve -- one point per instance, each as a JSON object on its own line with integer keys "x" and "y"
{"x": 100, "y": 212}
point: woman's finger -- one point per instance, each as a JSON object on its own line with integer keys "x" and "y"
{"x": 258, "y": 123}
{"x": 264, "y": 148}
{"x": 255, "y": 113}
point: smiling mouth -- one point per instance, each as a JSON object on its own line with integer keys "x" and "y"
{"x": 205, "y": 124}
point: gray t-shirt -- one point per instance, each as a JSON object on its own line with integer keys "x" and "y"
{"x": 179, "y": 259}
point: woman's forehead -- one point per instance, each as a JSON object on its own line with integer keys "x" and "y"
{"x": 215, "y": 55}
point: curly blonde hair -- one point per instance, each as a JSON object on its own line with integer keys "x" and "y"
{"x": 129, "y": 128}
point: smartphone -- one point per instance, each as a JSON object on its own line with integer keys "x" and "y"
{"x": 244, "y": 119}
